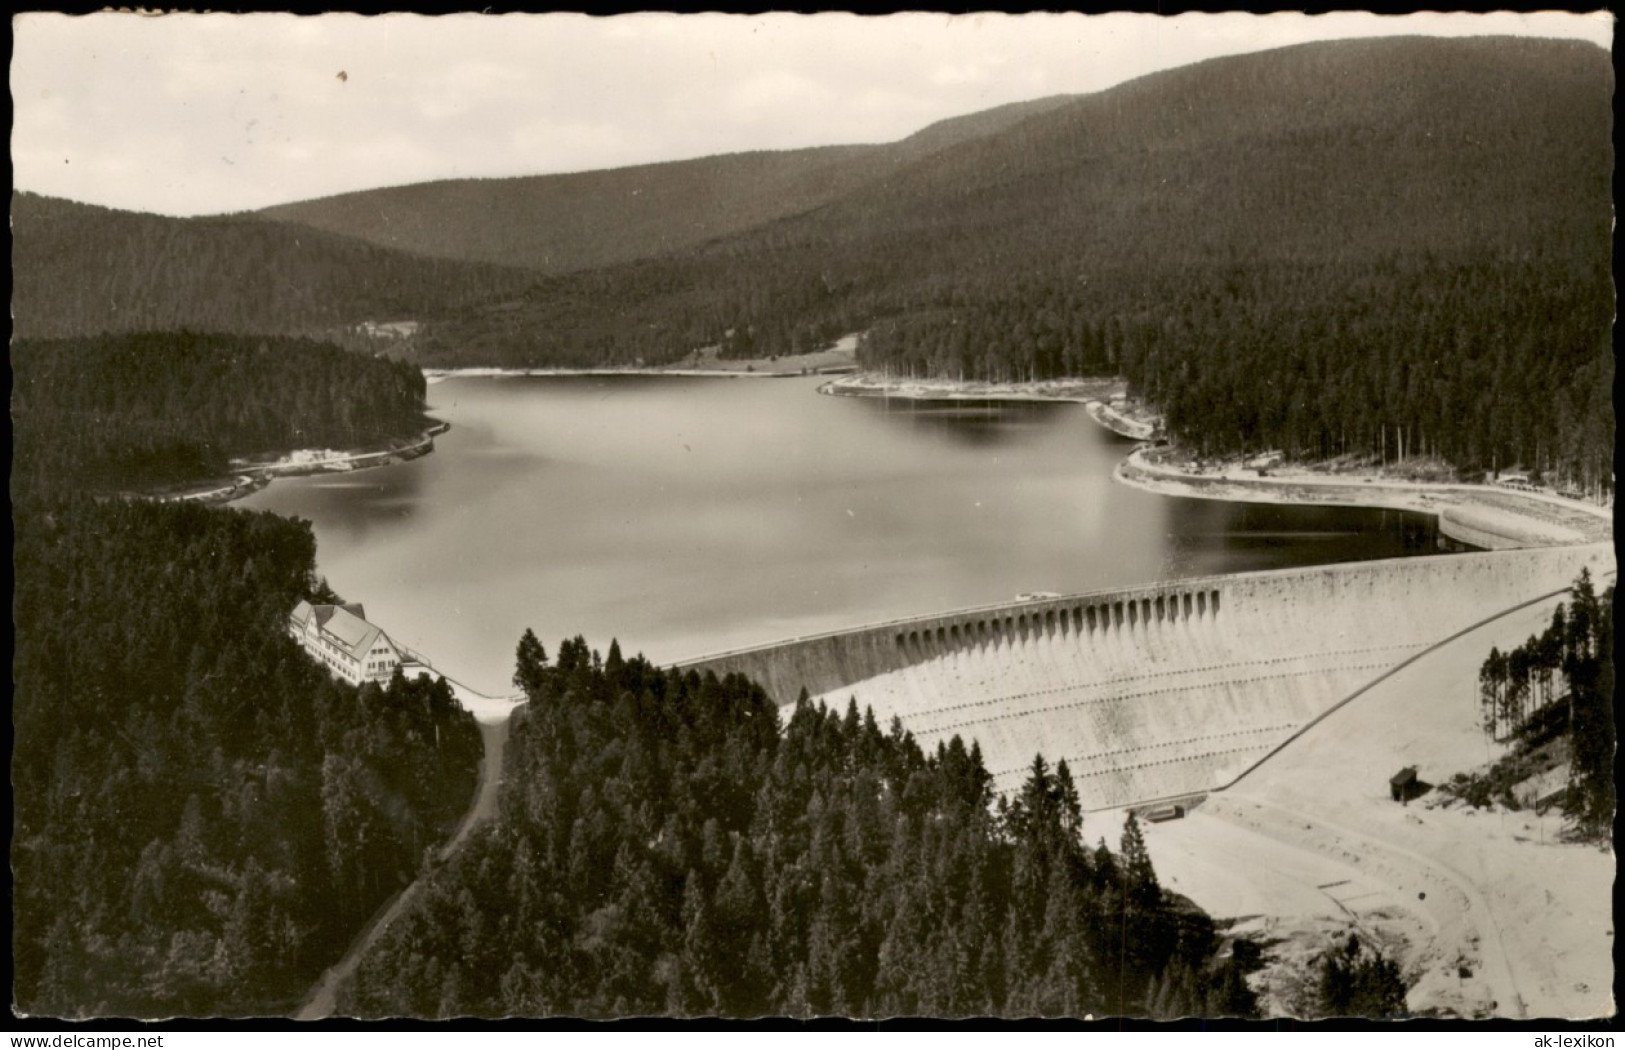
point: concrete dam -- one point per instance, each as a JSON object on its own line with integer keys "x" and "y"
{"x": 1158, "y": 691}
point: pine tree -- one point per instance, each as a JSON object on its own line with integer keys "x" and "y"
{"x": 531, "y": 669}
{"x": 1139, "y": 877}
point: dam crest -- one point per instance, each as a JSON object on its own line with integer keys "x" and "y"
{"x": 1164, "y": 690}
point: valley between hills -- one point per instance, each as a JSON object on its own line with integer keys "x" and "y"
{"x": 1362, "y": 273}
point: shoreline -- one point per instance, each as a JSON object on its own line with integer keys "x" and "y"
{"x": 249, "y": 476}
{"x": 1122, "y": 424}
{"x": 1486, "y": 516}
{"x": 436, "y": 375}
{"x": 1083, "y": 391}
{"x": 1479, "y": 515}
{"x": 836, "y": 358}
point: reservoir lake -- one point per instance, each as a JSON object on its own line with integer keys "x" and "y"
{"x": 685, "y": 516}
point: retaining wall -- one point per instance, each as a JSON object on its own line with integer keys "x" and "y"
{"x": 1162, "y": 690}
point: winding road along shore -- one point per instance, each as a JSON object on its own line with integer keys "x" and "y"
{"x": 251, "y": 475}
{"x": 1478, "y": 515}
{"x": 1483, "y": 516}
{"x": 1082, "y": 391}
{"x": 1489, "y": 922}
{"x": 1491, "y": 912}
{"x": 1310, "y": 837}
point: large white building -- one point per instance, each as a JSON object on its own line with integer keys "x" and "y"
{"x": 340, "y": 637}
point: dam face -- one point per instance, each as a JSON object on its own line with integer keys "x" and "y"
{"x": 1159, "y": 691}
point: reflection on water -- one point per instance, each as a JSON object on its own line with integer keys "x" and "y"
{"x": 976, "y": 423}
{"x": 690, "y": 515}
{"x": 1215, "y": 537}
{"x": 387, "y": 497}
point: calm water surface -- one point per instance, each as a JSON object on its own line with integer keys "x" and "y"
{"x": 685, "y": 516}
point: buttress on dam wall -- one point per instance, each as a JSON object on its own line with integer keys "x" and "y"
{"x": 1158, "y": 691}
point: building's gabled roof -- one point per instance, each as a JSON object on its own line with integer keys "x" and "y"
{"x": 1403, "y": 777}
{"x": 351, "y": 631}
{"x": 345, "y": 624}
{"x": 325, "y": 612}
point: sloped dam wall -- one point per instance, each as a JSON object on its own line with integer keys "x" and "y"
{"x": 1158, "y": 691}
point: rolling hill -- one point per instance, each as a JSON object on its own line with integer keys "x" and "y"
{"x": 79, "y": 270}
{"x": 1340, "y": 247}
{"x": 560, "y": 223}
{"x": 1334, "y": 152}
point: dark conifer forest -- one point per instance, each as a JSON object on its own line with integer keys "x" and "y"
{"x": 203, "y": 817}
{"x": 121, "y": 412}
{"x": 1375, "y": 248}
{"x": 1378, "y": 247}
{"x": 1382, "y": 248}
{"x": 1560, "y": 684}
{"x": 1359, "y": 982}
{"x": 665, "y": 846}
{"x": 79, "y": 269}
{"x": 582, "y": 220}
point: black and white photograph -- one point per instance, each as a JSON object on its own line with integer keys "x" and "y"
{"x": 812, "y": 518}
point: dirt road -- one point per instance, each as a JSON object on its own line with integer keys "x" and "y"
{"x": 323, "y": 999}
{"x": 1501, "y": 918}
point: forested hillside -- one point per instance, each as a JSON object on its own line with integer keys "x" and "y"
{"x": 1372, "y": 247}
{"x": 84, "y": 270}
{"x": 124, "y": 412}
{"x": 559, "y": 223}
{"x": 1338, "y": 247}
{"x": 1558, "y": 686}
{"x": 202, "y": 817}
{"x": 664, "y": 847}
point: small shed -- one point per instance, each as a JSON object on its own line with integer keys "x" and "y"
{"x": 1402, "y": 785}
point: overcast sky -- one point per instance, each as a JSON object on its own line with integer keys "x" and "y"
{"x": 197, "y": 114}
